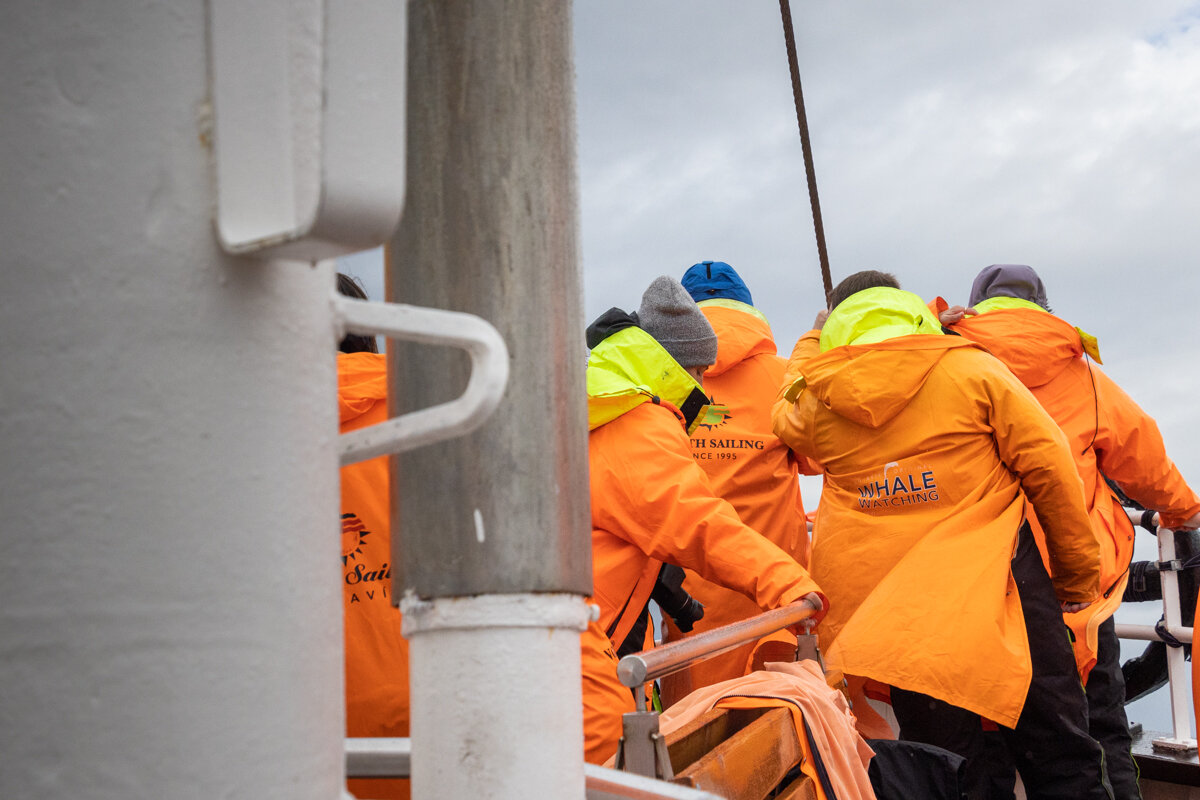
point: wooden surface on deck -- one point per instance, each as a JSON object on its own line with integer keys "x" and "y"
{"x": 740, "y": 754}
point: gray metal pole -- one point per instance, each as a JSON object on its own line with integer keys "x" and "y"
{"x": 490, "y": 530}
{"x": 490, "y": 228}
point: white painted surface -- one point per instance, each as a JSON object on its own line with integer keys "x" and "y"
{"x": 1178, "y": 669}
{"x": 170, "y": 617}
{"x": 500, "y": 714}
{"x": 308, "y": 99}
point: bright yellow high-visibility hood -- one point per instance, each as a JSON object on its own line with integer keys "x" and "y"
{"x": 878, "y": 347}
{"x": 874, "y": 315}
{"x": 629, "y": 368}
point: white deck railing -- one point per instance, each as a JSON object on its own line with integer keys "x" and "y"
{"x": 1179, "y": 680}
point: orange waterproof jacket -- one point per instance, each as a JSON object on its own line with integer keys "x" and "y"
{"x": 651, "y": 504}
{"x": 376, "y": 653}
{"x": 1108, "y": 434}
{"x": 927, "y": 442}
{"x": 748, "y": 466}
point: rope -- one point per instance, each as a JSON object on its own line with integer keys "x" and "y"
{"x": 789, "y": 38}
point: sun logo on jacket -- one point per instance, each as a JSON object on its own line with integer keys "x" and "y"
{"x": 354, "y": 534}
{"x": 715, "y": 415}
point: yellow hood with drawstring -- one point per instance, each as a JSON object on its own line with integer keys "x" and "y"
{"x": 629, "y": 368}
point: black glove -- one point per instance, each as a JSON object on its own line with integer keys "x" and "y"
{"x": 673, "y": 600}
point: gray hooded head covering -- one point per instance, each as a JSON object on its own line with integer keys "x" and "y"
{"x": 1009, "y": 280}
{"x": 671, "y": 316}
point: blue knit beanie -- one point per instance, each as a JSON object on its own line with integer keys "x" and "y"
{"x": 711, "y": 279}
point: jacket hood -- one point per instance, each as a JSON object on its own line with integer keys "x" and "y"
{"x": 872, "y": 383}
{"x": 1008, "y": 280}
{"x": 1032, "y": 342}
{"x": 875, "y": 315}
{"x": 362, "y": 382}
{"x": 742, "y": 332}
{"x": 627, "y": 367}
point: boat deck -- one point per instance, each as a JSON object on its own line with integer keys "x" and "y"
{"x": 1165, "y": 776}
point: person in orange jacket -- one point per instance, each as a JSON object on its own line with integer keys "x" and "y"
{"x": 1110, "y": 436}
{"x": 377, "y": 699}
{"x": 930, "y": 447}
{"x": 745, "y": 461}
{"x": 651, "y": 503}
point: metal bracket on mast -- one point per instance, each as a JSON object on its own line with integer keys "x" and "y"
{"x": 308, "y": 124}
{"x": 485, "y": 388}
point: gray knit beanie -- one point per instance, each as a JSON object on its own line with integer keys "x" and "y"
{"x": 671, "y": 316}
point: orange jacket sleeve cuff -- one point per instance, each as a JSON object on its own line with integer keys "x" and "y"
{"x": 1173, "y": 519}
{"x": 799, "y": 592}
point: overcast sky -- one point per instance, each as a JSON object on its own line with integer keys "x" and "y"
{"x": 946, "y": 136}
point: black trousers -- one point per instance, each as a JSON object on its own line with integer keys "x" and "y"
{"x": 1050, "y": 746}
{"x": 1107, "y": 722}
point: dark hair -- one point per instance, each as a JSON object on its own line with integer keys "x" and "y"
{"x": 859, "y": 281}
{"x": 355, "y": 342}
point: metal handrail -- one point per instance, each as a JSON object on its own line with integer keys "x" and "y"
{"x": 1149, "y": 633}
{"x": 648, "y": 665}
{"x": 1178, "y": 677}
{"x": 378, "y": 757}
{"x": 392, "y": 758}
{"x": 457, "y": 417}
{"x": 602, "y": 783}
